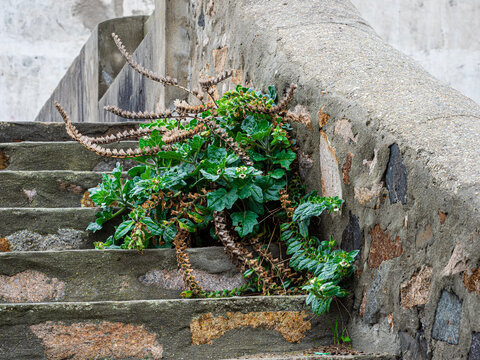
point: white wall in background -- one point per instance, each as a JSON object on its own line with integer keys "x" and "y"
{"x": 442, "y": 35}
{"x": 39, "y": 40}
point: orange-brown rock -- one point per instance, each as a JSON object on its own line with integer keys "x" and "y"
{"x": 81, "y": 341}
{"x": 346, "y": 168}
{"x": 382, "y": 248}
{"x": 471, "y": 279}
{"x": 290, "y": 324}
{"x": 4, "y": 245}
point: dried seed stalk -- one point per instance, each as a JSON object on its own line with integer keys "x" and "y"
{"x": 277, "y": 268}
{"x": 239, "y": 251}
{"x": 280, "y": 107}
{"x": 183, "y": 261}
{"x": 149, "y": 74}
{"x": 139, "y": 68}
{"x": 230, "y": 142}
{"x": 90, "y": 144}
{"x": 184, "y": 108}
{"x": 138, "y": 115}
{"x": 209, "y": 82}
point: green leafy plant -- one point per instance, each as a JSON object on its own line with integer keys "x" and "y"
{"x": 223, "y": 171}
{"x": 339, "y": 337}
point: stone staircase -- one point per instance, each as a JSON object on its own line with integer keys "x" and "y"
{"x": 61, "y": 299}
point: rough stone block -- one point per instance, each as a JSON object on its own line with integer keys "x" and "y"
{"x": 475, "y": 347}
{"x": 417, "y": 290}
{"x": 447, "y": 318}
{"x": 471, "y": 279}
{"x": 331, "y": 183}
{"x": 382, "y": 247}
{"x": 352, "y": 235}
{"x": 97, "y": 340}
{"x": 30, "y": 286}
{"x": 396, "y": 176}
{"x": 413, "y": 348}
{"x": 424, "y": 237}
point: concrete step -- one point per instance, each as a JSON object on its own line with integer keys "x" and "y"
{"x": 309, "y": 356}
{"x": 57, "y": 156}
{"x": 33, "y": 229}
{"x": 55, "y": 131}
{"x": 162, "y": 329}
{"x": 95, "y": 275}
{"x": 47, "y": 188}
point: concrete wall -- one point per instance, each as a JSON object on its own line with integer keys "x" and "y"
{"x": 442, "y": 35}
{"x": 40, "y": 39}
{"x": 400, "y": 147}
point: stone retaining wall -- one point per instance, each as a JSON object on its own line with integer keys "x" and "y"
{"x": 396, "y": 144}
{"x": 400, "y": 147}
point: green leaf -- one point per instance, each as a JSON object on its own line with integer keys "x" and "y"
{"x": 244, "y": 222}
{"x": 307, "y": 210}
{"x": 94, "y": 226}
{"x": 248, "y": 273}
{"x": 136, "y": 171}
{"x": 284, "y": 158}
{"x": 169, "y": 233}
{"x": 170, "y": 155}
{"x": 152, "y": 226}
{"x": 219, "y": 200}
{"x": 123, "y": 229}
{"x": 277, "y": 173}
{"x": 294, "y": 247}
{"x": 216, "y": 154}
{"x": 257, "y": 193}
{"x": 209, "y": 176}
{"x": 272, "y": 91}
{"x": 255, "y": 206}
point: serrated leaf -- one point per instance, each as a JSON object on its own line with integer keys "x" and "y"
{"x": 209, "y": 176}
{"x": 169, "y": 233}
{"x": 123, "y": 229}
{"x": 244, "y": 222}
{"x": 284, "y": 158}
{"x": 294, "y": 247}
{"x": 307, "y": 210}
{"x": 277, "y": 173}
{"x": 220, "y": 199}
{"x": 152, "y": 226}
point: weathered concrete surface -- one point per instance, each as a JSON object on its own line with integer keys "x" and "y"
{"x": 47, "y": 188}
{"x": 31, "y": 229}
{"x": 67, "y": 155}
{"x": 169, "y": 321}
{"x": 55, "y": 131}
{"x": 40, "y": 39}
{"x": 94, "y": 275}
{"x": 439, "y": 34}
{"x": 93, "y": 71}
{"x": 294, "y": 356}
{"x": 375, "y": 97}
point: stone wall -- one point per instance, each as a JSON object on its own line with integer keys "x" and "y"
{"x": 40, "y": 39}
{"x": 399, "y": 146}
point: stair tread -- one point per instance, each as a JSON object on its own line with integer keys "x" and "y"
{"x": 73, "y": 275}
{"x": 55, "y": 131}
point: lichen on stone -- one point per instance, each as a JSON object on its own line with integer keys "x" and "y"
{"x": 382, "y": 247}
{"x": 471, "y": 279}
{"x": 416, "y": 291}
{"x": 4, "y": 245}
{"x": 290, "y": 324}
{"x": 30, "y": 286}
{"x": 86, "y": 340}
